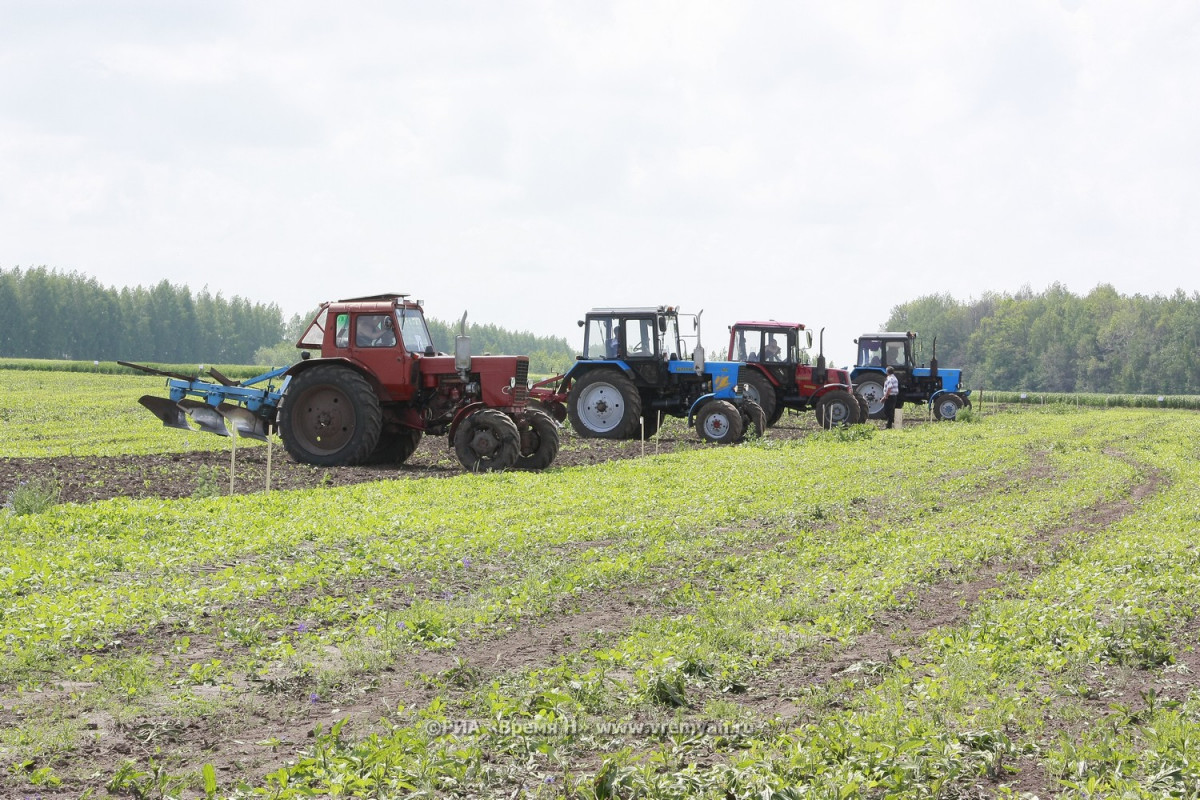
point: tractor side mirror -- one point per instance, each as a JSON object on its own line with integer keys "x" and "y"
{"x": 808, "y": 336}
{"x": 662, "y": 324}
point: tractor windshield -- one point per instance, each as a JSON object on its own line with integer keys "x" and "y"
{"x": 600, "y": 338}
{"x": 870, "y": 353}
{"x": 413, "y": 330}
{"x": 669, "y": 345}
{"x": 757, "y": 344}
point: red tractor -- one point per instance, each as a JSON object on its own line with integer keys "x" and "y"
{"x": 776, "y": 374}
{"x": 376, "y": 388}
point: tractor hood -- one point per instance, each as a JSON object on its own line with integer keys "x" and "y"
{"x": 503, "y": 380}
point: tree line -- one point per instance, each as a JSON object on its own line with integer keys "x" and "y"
{"x": 1057, "y": 341}
{"x": 66, "y": 315}
{"x": 49, "y": 314}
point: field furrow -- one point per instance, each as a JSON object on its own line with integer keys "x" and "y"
{"x": 933, "y": 612}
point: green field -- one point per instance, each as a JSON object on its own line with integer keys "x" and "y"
{"x": 954, "y": 610}
{"x": 55, "y": 413}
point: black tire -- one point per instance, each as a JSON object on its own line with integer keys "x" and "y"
{"x": 395, "y": 448}
{"x": 552, "y": 407}
{"x": 330, "y": 417}
{"x": 650, "y": 423}
{"x": 604, "y": 404}
{"x": 946, "y": 406}
{"x": 864, "y": 409}
{"x": 487, "y": 441}
{"x": 761, "y": 391}
{"x": 754, "y": 420}
{"x": 836, "y": 408}
{"x": 719, "y": 422}
{"x": 773, "y": 420}
{"x": 870, "y": 388}
{"x": 539, "y": 440}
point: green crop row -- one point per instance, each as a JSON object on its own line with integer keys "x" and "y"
{"x": 1092, "y": 400}
{"x": 730, "y": 579}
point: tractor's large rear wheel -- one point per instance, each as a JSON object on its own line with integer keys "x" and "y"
{"x": 604, "y": 404}
{"x": 330, "y": 417}
{"x": 719, "y": 422}
{"x": 864, "y": 408}
{"x": 395, "y": 448}
{"x": 539, "y": 440}
{"x": 487, "y": 441}
{"x": 760, "y": 390}
{"x": 870, "y": 388}
{"x": 947, "y": 406}
{"x": 835, "y": 408}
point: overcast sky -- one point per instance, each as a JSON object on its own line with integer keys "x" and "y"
{"x": 525, "y": 161}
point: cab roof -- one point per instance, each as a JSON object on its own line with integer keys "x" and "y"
{"x": 635, "y": 311}
{"x": 889, "y": 335}
{"x": 771, "y": 323}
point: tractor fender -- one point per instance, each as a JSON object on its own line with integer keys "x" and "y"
{"x": 462, "y": 414}
{"x": 737, "y": 400}
{"x": 580, "y": 367}
{"x": 965, "y": 396}
{"x": 829, "y": 387}
{"x": 312, "y": 363}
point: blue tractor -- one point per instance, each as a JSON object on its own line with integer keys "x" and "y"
{"x": 941, "y": 389}
{"x": 636, "y": 366}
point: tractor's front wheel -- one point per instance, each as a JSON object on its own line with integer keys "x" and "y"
{"x": 759, "y": 390}
{"x": 539, "y": 440}
{"x": 836, "y": 408}
{"x": 604, "y": 404}
{"x": 487, "y": 441}
{"x": 870, "y": 388}
{"x": 719, "y": 422}
{"x": 947, "y": 406}
{"x": 330, "y": 417}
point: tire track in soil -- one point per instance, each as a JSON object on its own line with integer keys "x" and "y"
{"x": 177, "y": 475}
{"x": 233, "y": 750}
{"x": 945, "y": 604}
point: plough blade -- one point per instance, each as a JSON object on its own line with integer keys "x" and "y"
{"x": 205, "y": 416}
{"x": 167, "y": 410}
{"x": 244, "y": 421}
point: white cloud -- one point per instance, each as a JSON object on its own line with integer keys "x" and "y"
{"x": 528, "y": 160}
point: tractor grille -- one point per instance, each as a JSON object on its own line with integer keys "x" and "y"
{"x": 521, "y": 388}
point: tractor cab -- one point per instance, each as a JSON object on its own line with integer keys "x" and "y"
{"x": 376, "y": 334}
{"x": 770, "y": 342}
{"x": 647, "y": 341}
{"x": 632, "y": 333}
{"x": 883, "y": 350}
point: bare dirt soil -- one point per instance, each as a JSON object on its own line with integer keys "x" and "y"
{"x": 187, "y": 474}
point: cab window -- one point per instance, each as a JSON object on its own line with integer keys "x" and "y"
{"x": 341, "y": 336}
{"x": 600, "y": 338}
{"x": 640, "y": 338}
{"x": 374, "y": 330}
{"x": 869, "y": 353}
